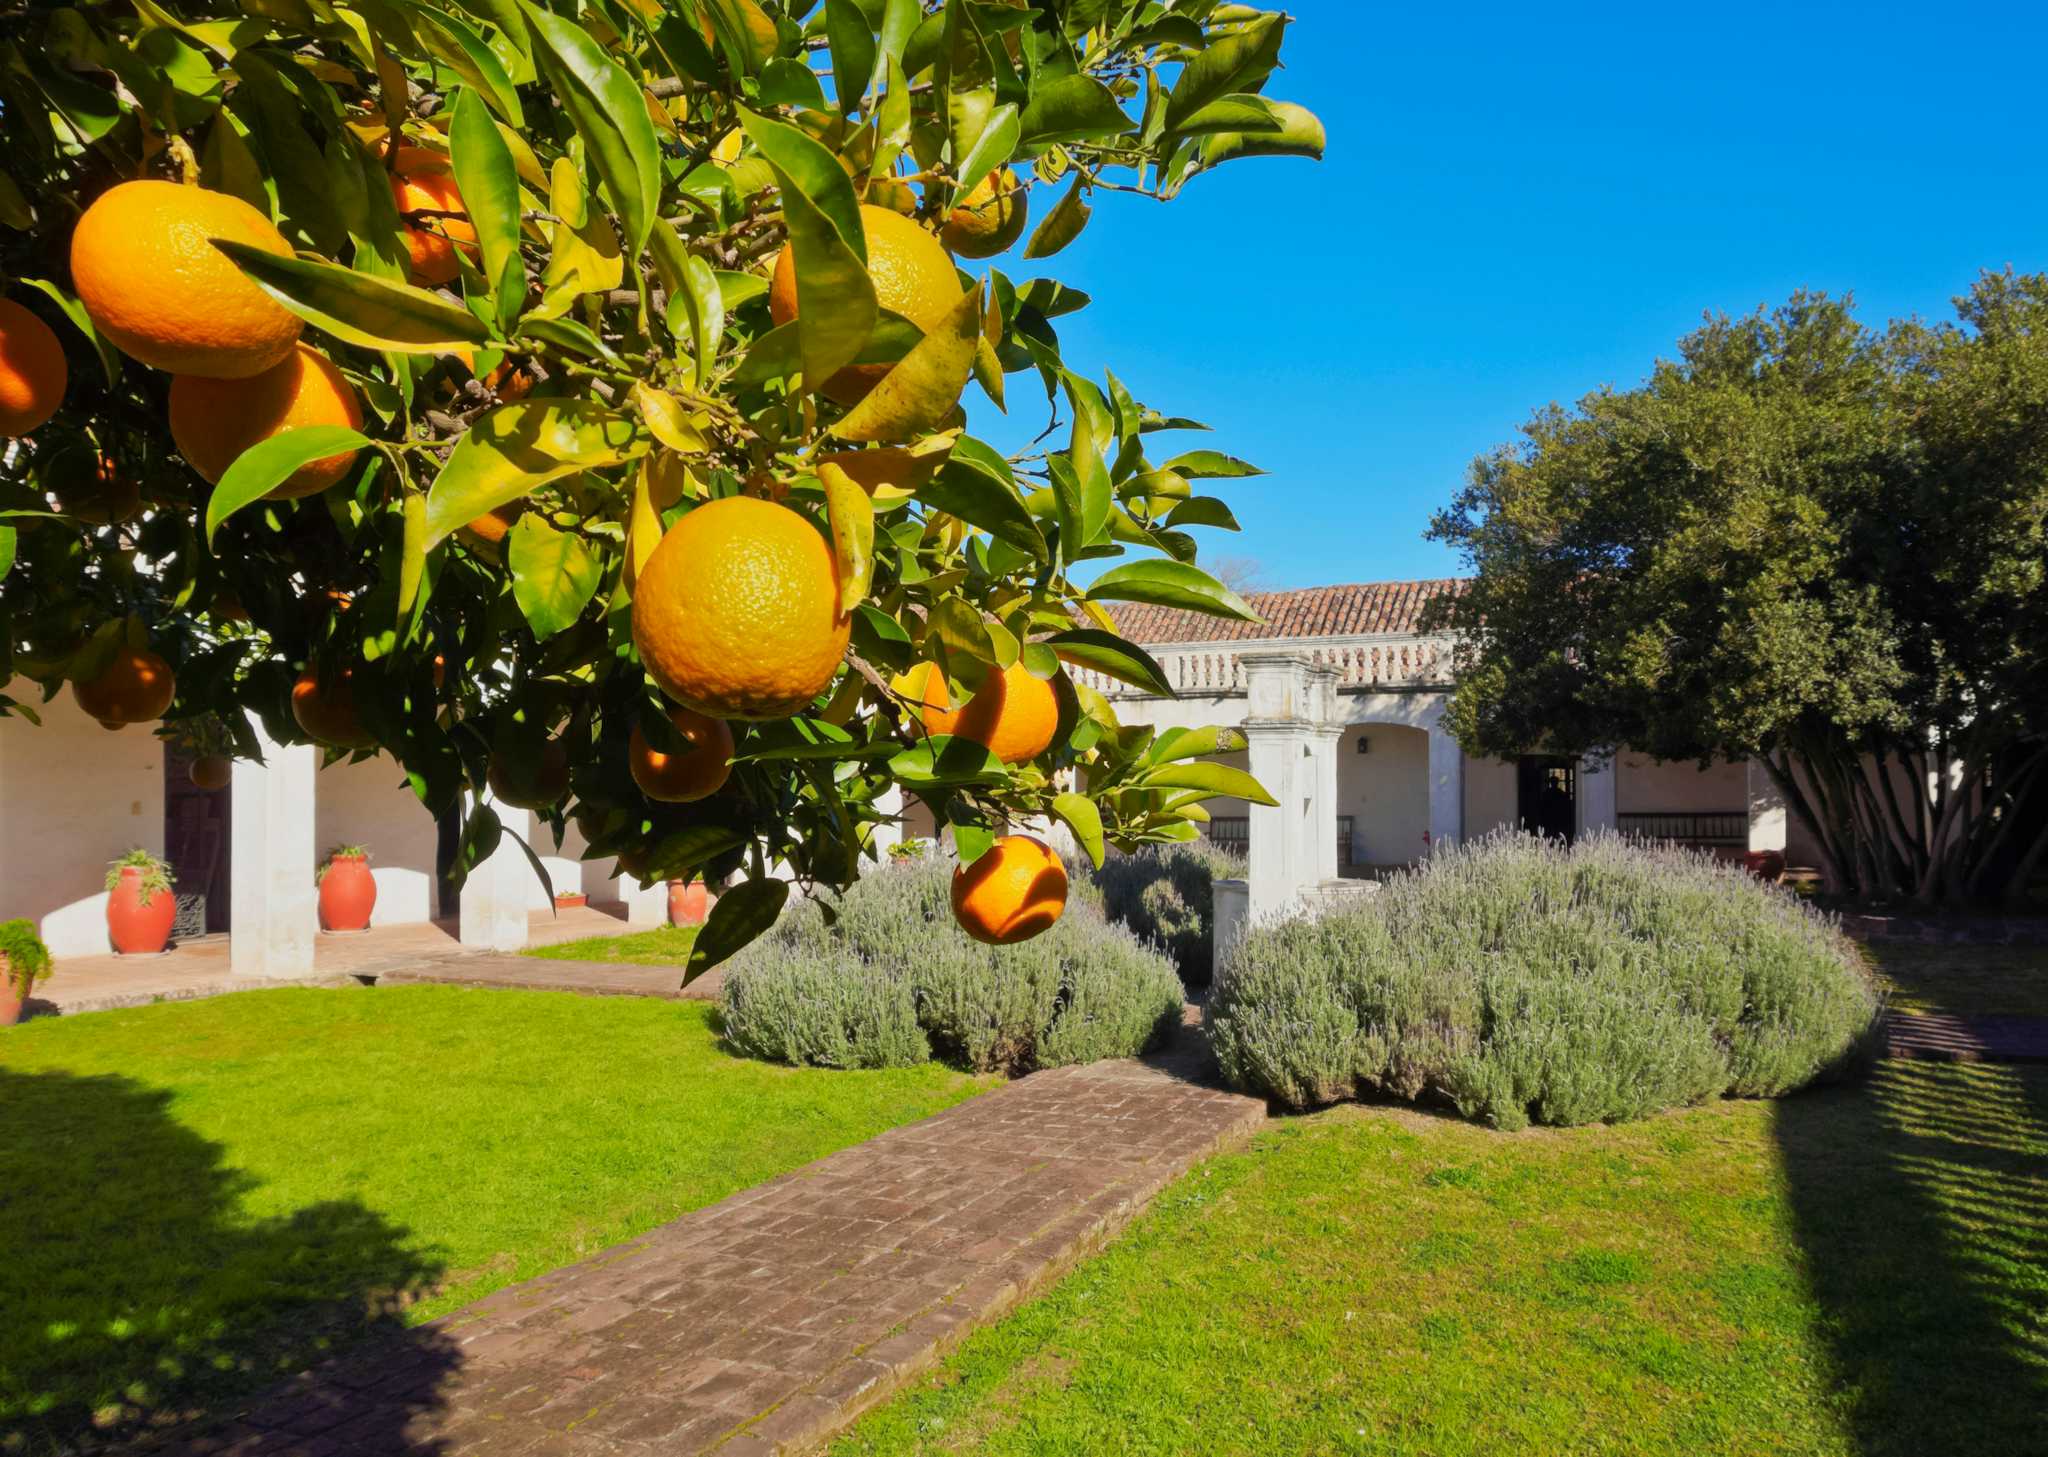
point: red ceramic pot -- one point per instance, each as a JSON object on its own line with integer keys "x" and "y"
{"x": 1765, "y": 864}
{"x": 134, "y": 928}
{"x": 569, "y": 900}
{"x": 348, "y": 893}
{"x": 688, "y": 903}
{"x": 10, "y": 996}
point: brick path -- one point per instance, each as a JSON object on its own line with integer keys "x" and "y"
{"x": 1950, "y": 1038}
{"x": 767, "y": 1322}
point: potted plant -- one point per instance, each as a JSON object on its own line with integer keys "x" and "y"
{"x": 24, "y": 961}
{"x": 689, "y": 902}
{"x": 569, "y": 900}
{"x": 348, "y": 892}
{"x": 140, "y": 905}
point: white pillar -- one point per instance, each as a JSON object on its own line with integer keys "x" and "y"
{"x": 889, "y": 833}
{"x": 1446, "y": 783}
{"x": 1226, "y": 923}
{"x": 1326, "y": 716}
{"x": 494, "y": 897}
{"x": 273, "y": 914}
{"x": 646, "y": 905}
{"x": 1596, "y": 795}
{"x": 1280, "y": 743}
{"x": 1766, "y": 810}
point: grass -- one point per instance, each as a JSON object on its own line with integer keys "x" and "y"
{"x": 1967, "y": 980}
{"x": 201, "y": 1196}
{"x": 662, "y": 946}
{"x": 1859, "y": 1271}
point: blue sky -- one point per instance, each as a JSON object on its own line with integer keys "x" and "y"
{"x": 1523, "y": 202}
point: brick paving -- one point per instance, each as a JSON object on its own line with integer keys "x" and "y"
{"x": 765, "y": 1323}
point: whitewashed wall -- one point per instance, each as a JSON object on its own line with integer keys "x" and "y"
{"x": 1646, "y": 786}
{"x": 370, "y": 804}
{"x": 72, "y": 797}
{"x": 1386, "y": 793}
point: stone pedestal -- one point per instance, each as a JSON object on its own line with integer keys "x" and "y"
{"x": 273, "y": 914}
{"x": 494, "y": 897}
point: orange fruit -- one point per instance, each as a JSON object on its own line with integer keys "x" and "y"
{"x": 486, "y": 534}
{"x": 329, "y": 714}
{"x": 211, "y": 771}
{"x": 424, "y": 184}
{"x": 215, "y": 420}
{"x": 1013, "y": 715}
{"x": 1012, "y": 893}
{"x": 32, "y": 370}
{"x": 144, "y": 265}
{"x": 681, "y": 778}
{"x": 912, "y": 276}
{"x": 90, "y": 487}
{"x": 989, "y": 219}
{"x": 736, "y": 613}
{"x": 637, "y": 862}
{"x": 540, "y": 785}
{"x": 136, "y": 686}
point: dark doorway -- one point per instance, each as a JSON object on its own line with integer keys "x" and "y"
{"x": 1547, "y": 794}
{"x": 196, "y": 843}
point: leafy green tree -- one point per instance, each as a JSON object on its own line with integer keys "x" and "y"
{"x": 538, "y": 244}
{"x": 1800, "y": 541}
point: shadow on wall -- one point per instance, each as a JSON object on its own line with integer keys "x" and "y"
{"x": 1918, "y": 1199}
{"x": 135, "y": 1295}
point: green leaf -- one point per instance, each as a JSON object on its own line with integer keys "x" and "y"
{"x": 1240, "y": 112}
{"x": 835, "y": 298}
{"x": 1211, "y": 779}
{"x": 463, "y": 51}
{"x": 265, "y": 466}
{"x": 110, "y": 357}
{"x": 687, "y": 849}
{"x": 489, "y": 183}
{"x": 609, "y": 113}
{"x": 8, "y": 536}
{"x": 1170, "y": 584}
{"x": 1202, "y": 511}
{"x": 741, "y": 915}
{"x": 991, "y": 149}
{"x": 1051, "y": 297}
{"x": 1105, "y": 652}
{"x": 554, "y": 574}
{"x": 1071, "y": 108}
{"x": 1209, "y": 464}
{"x": 1193, "y": 743}
{"x": 922, "y": 390}
{"x": 412, "y": 554}
{"x": 516, "y": 448}
{"x": 853, "y": 533}
{"x": 703, "y": 304}
{"x": 547, "y": 883}
{"x": 1300, "y": 134}
{"x": 375, "y": 313}
{"x": 983, "y": 499}
{"x": 1237, "y": 61}
{"x": 944, "y": 760}
{"x": 972, "y": 837}
{"x": 852, "y": 41}
{"x": 1062, "y": 225}
{"x": 1082, "y": 817}
{"x": 811, "y": 169}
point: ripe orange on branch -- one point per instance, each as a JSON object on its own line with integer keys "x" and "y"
{"x": 1012, "y": 893}
{"x": 698, "y": 773}
{"x": 539, "y": 785}
{"x": 32, "y": 370}
{"x": 912, "y": 276}
{"x": 736, "y": 614}
{"x": 145, "y": 268}
{"x": 328, "y": 713}
{"x": 423, "y": 185}
{"x": 135, "y": 686}
{"x": 88, "y": 485}
{"x": 1013, "y": 715}
{"x": 215, "y": 420}
{"x": 989, "y": 219}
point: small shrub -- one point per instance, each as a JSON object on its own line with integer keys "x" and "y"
{"x": 890, "y": 962}
{"x": 1520, "y": 980}
{"x": 156, "y": 873}
{"x": 27, "y": 958}
{"x": 1165, "y": 894}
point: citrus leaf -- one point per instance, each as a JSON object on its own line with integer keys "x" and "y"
{"x": 945, "y": 760}
{"x": 972, "y": 837}
{"x": 489, "y": 183}
{"x": 609, "y": 112}
{"x": 1300, "y": 134}
{"x": 853, "y": 533}
{"x": 1107, "y": 653}
{"x": 265, "y": 466}
{"x": 375, "y": 313}
{"x": 8, "y": 535}
{"x": 1237, "y": 61}
{"x": 852, "y": 42}
{"x": 518, "y": 447}
{"x": 1070, "y": 108}
{"x": 1082, "y": 817}
{"x": 665, "y": 418}
{"x": 1171, "y": 584}
{"x": 1062, "y": 225}
{"x": 1209, "y": 464}
{"x": 463, "y": 51}
{"x": 1211, "y": 779}
{"x": 1239, "y": 112}
{"x": 643, "y": 526}
{"x": 835, "y": 298}
{"x": 740, "y": 916}
{"x": 922, "y": 390}
{"x": 745, "y": 29}
{"x": 687, "y": 849}
{"x": 1203, "y": 511}
{"x": 983, "y": 500}
{"x": 991, "y": 149}
{"x": 812, "y": 169}
{"x": 554, "y": 574}
{"x": 110, "y": 357}
{"x": 1193, "y": 743}
{"x": 413, "y": 554}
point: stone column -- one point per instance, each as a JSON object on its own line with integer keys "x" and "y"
{"x": 273, "y": 910}
{"x": 889, "y": 834}
{"x": 646, "y": 905}
{"x": 494, "y": 914}
{"x": 1596, "y": 795}
{"x": 1446, "y": 783}
{"x": 1327, "y": 717}
{"x": 1766, "y": 810}
{"x": 1279, "y": 736}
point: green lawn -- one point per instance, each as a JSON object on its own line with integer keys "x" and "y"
{"x": 202, "y": 1195}
{"x": 662, "y": 946}
{"x": 1859, "y": 1270}
{"x": 1989, "y": 980}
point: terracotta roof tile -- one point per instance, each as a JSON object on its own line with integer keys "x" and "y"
{"x": 1308, "y": 612}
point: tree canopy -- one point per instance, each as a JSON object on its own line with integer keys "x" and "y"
{"x": 1804, "y": 541}
{"x": 541, "y": 246}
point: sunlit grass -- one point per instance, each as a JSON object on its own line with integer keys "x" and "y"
{"x": 661, "y": 946}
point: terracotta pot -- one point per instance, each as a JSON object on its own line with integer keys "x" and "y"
{"x": 569, "y": 900}
{"x": 134, "y": 928}
{"x": 688, "y": 903}
{"x": 1764, "y": 864}
{"x": 348, "y": 893}
{"x": 10, "y": 995}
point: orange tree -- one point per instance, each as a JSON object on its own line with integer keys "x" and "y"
{"x": 480, "y": 382}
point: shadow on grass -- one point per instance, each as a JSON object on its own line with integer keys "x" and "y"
{"x": 136, "y": 1295}
{"x": 1920, "y": 1199}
